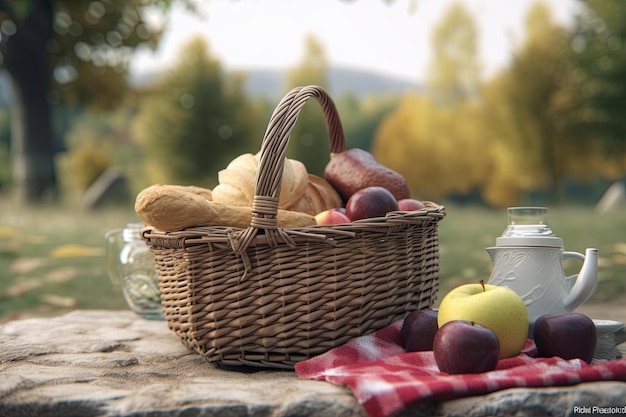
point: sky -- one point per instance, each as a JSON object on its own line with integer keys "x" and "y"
{"x": 392, "y": 40}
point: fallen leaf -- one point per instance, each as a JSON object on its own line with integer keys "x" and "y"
{"x": 74, "y": 251}
{"x": 24, "y": 285}
{"x": 9, "y": 232}
{"x": 619, "y": 248}
{"x": 58, "y": 300}
{"x": 619, "y": 259}
{"x": 60, "y": 275}
{"x": 26, "y": 265}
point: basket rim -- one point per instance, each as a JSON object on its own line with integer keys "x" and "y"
{"x": 228, "y": 235}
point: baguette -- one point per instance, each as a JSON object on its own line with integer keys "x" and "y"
{"x": 204, "y": 192}
{"x": 170, "y": 208}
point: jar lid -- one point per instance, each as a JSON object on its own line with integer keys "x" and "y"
{"x": 132, "y": 232}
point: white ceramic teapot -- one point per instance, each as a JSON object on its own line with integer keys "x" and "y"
{"x": 528, "y": 258}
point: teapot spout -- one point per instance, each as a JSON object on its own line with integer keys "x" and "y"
{"x": 586, "y": 282}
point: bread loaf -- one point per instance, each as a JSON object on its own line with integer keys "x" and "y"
{"x": 170, "y": 208}
{"x": 204, "y": 192}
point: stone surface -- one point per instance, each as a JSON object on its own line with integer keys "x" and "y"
{"x": 104, "y": 363}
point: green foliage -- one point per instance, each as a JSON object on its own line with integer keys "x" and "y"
{"x": 439, "y": 150}
{"x": 96, "y": 141}
{"x": 360, "y": 117}
{"x": 506, "y": 140}
{"x": 84, "y": 48}
{"x": 309, "y": 141}
{"x": 531, "y": 105}
{"x": 91, "y": 43}
{"x": 196, "y": 122}
{"x": 598, "y": 77}
{"x": 5, "y": 167}
{"x": 553, "y": 114}
{"x": 436, "y": 140}
{"x": 5, "y": 157}
{"x": 92, "y": 46}
{"x": 88, "y": 161}
{"x": 454, "y": 71}
{"x": 521, "y": 104}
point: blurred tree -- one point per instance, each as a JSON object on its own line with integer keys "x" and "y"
{"x": 439, "y": 150}
{"x": 78, "y": 48}
{"x": 88, "y": 160}
{"x": 309, "y": 139}
{"x": 436, "y": 141}
{"x": 5, "y": 159}
{"x": 596, "y": 101}
{"x": 531, "y": 87}
{"x": 454, "y": 73}
{"x": 505, "y": 183}
{"x": 405, "y": 143}
{"x": 196, "y": 122}
{"x": 96, "y": 141}
{"x": 360, "y": 117}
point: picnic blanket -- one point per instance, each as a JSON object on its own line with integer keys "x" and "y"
{"x": 384, "y": 378}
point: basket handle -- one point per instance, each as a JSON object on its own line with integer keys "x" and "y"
{"x": 272, "y": 158}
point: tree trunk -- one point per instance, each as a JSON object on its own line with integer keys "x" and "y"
{"x": 26, "y": 61}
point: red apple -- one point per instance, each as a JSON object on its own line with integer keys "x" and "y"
{"x": 464, "y": 347}
{"x": 410, "y": 204}
{"x": 568, "y": 336}
{"x": 370, "y": 202}
{"x": 418, "y": 330}
{"x": 332, "y": 216}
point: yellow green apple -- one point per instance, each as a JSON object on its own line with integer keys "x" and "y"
{"x": 495, "y": 307}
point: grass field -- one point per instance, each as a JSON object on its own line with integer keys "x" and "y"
{"x": 52, "y": 259}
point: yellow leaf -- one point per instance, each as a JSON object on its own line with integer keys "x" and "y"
{"x": 74, "y": 251}
{"x": 8, "y": 232}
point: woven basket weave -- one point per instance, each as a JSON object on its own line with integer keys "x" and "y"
{"x": 269, "y": 297}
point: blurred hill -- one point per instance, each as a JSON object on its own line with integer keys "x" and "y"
{"x": 272, "y": 83}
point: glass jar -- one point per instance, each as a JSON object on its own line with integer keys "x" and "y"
{"x": 527, "y": 222}
{"x": 131, "y": 265}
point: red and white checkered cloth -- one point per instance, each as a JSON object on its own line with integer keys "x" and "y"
{"x": 385, "y": 378}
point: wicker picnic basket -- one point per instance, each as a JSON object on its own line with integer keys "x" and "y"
{"x": 269, "y": 297}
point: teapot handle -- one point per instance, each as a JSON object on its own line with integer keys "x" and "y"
{"x": 573, "y": 255}
{"x": 583, "y": 284}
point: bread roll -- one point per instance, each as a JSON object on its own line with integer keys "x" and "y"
{"x": 300, "y": 191}
{"x": 319, "y": 196}
{"x": 237, "y": 182}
